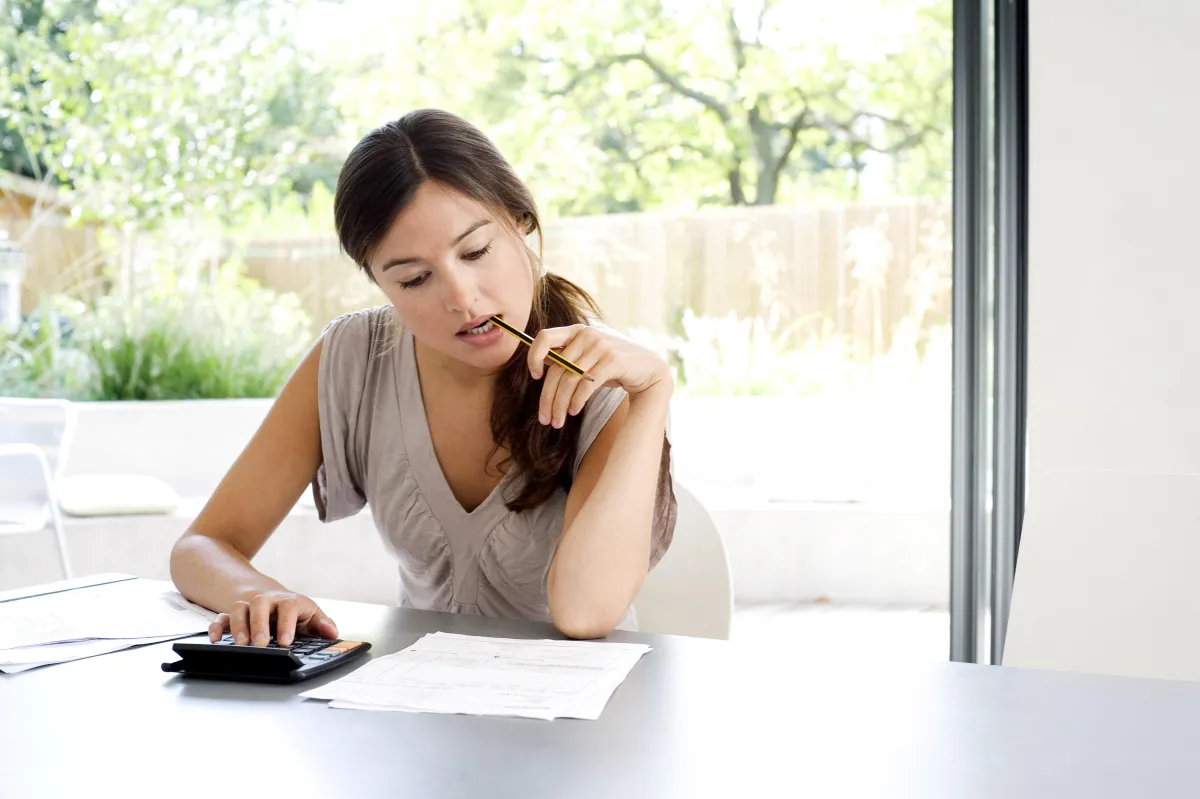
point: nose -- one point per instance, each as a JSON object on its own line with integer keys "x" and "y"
{"x": 461, "y": 290}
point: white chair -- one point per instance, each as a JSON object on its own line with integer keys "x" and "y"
{"x": 690, "y": 591}
{"x": 35, "y": 438}
{"x": 1108, "y": 576}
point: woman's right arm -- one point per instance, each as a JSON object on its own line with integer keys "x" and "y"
{"x": 210, "y": 564}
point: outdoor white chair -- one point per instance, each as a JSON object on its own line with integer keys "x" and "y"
{"x": 690, "y": 591}
{"x": 35, "y": 438}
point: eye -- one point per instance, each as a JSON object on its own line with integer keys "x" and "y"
{"x": 477, "y": 254}
{"x": 412, "y": 284}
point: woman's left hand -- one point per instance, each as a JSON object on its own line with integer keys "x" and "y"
{"x": 611, "y": 360}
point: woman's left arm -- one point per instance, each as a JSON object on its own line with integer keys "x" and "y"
{"x": 604, "y": 552}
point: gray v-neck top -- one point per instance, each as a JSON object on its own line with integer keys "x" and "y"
{"x": 377, "y": 451}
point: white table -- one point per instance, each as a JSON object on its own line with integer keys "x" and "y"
{"x": 694, "y": 718}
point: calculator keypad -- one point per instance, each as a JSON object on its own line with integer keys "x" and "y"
{"x": 303, "y": 647}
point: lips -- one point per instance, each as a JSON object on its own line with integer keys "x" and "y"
{"x": 476, "y": 322}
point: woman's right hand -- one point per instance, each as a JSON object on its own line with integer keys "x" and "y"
{"x": 251, "y": 620}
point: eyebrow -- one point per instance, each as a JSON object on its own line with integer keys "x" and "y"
{"x": 457, "y": 240}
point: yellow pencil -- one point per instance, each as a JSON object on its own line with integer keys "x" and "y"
{"x": 554, "y": 356}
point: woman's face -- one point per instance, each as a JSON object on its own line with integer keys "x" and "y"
{"x": 447, "y": 264}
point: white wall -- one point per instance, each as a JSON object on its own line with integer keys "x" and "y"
{"x": 1114, "y": 329}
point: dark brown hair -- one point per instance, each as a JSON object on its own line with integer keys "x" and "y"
{"x": 378, "y": 181}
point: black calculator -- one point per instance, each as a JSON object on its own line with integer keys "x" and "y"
{"x": 225, "y": 660}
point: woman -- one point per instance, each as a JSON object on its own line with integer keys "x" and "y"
{"x": 503, "y": 484}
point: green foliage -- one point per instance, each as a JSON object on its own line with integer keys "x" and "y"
{"x": 179, "y": 114}
{"x": 732, "y": 356}
{"x": 166, "y": 109}
{"x": 748, "y": 357}
{"x": 286, "y": 214}
{"x": 175, "y": 339}
{"x": 641, "y": 104}
{"x": 40, "y": 359}
{"x": 200, "y": 340}
{"x": 179, "y": 108}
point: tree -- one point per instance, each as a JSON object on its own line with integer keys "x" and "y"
{"x": 157, "y": 110}
{"x": 635, "y": 104}
{"x": 29, "y": 17}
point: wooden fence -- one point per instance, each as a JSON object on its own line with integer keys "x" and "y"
{"x": 853, "y": 270}
{"x": 59, "y": 259}
{"x": 857, "y": 271}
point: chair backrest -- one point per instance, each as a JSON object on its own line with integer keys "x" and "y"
{"x": 689, "y": 591}
{"x": 1107, "y": 575}
{"x": 48, "y": 424}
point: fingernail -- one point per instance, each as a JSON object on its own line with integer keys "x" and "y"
{"x": 558, "y": 422}
{"x": 241, "y": 639}
{"x": 260, "y": 640}
{"x": 543, "y": 418}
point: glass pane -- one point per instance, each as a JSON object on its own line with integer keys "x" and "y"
{"x": 759, "y": 189}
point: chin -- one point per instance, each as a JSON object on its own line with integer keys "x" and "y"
{"x": 491, "y": 358}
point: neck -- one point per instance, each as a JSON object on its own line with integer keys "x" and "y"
{"x": 436, "y": 366}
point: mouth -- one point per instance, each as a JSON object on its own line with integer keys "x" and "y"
{"x": 477, "y": 326}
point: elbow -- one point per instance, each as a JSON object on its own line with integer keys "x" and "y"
{"x": 583, "y": 625}
{"x": 178, "y": 556}
{"x": 186, "y": 551}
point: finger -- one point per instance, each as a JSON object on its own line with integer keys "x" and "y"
{"x": 601, "y": 371}
{"x": 286, "y": 613}
{"x": 584, "y": 341}
{"x": 549, "y": 389}
{"x": 547, "y": 339}
{"x": 239, "y": 622}
{"x": 218, "y": 627}
{"x": 319, "y": 625}
{"x": 585, "y": 351}
{"x": 562, "y": 397}
{"x": 261, "y": 608}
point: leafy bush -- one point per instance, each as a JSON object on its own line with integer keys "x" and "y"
{"x": 734, "y": 356}
{"x": 174, "y": 338}
{"x": 39, "y": 359}
{"x": 180, "y": 339}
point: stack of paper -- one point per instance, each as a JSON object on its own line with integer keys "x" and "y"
{"x": 68, "y": 625}
{"x": 446, "y": 673}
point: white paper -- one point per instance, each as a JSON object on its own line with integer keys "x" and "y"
{"x": 31, "y": 626}
{"x": 31, "y": 657}
{"x": 448, "y": 673}
{"x": 133, "y": 609}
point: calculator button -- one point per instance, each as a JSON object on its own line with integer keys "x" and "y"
{"x": 343, "y": 646}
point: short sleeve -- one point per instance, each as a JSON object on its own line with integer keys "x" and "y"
{"x": 597, "y": 413}
{"x": 350, "y": 348}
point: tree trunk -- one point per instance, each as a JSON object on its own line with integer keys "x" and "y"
{"x": 768, "y": 185}
{"x": 767, "y": 159}
{"x": 737, "y": 194}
